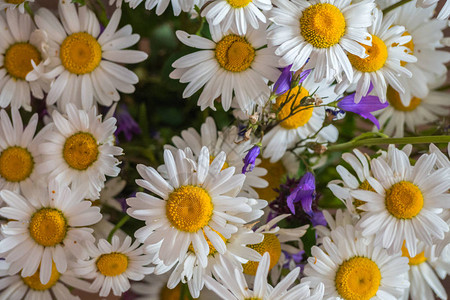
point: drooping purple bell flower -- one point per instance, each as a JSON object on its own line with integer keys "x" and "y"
{"x": 365, "y": 107}
{"x": 284, "y": 82}
{"x": 304, "y": 192}
{"x": 125, "y": 123}
{"x": 250, "y": 159}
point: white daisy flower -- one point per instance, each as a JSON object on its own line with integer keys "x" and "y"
{"x": 19, "y": 153}
{"x": 351, "y": 268}
{"x": 420, "y": 111}
{"x": 422, "y": 275}
{"x": 31, "y": 288}
{"x": 85, "y": 62}
{"x": 426, "y": 35}
{"x": 406, "y": 203}
{"x": 44, "y": 227}
{"x": 321, "y": 30}
{"x": 161, "y": 5}
{"x": 382, "y": 65}
{"x": 218, "y": 141}
{"x": 340, "y": 219}
{"x": 276, "y": 241}
{"x": 189, "y": 270}
{"x": 112, "y": 265}
{"x": 228, "y": 64}
{"x": 198, "y": 203}
{"x": 299, "y": 124}
{"x": 12, "y": 4}
{"x": 445, "y": 10}
{"x": 21, "y": 48}
{"x": 232, "y": 285}
{"x": 77, "y": 151}
{"x": 236, "y": 14}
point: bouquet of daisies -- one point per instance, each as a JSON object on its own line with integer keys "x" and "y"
{"x": 310, "y": 159}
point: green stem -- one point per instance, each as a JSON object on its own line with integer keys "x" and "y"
{"x": 118, "y": 226}
{"x": 27, "y": 7}
{"x": 382, "y": 141}
{"x": 395, "y": 5}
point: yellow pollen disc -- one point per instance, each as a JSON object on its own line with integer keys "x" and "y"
{"x": 252, "y": 298}
{"x": 225, "y": 165}
{"x": 17, "y": 60}
{"x": 189, "y": 208}
{"x": 172, "y": 294}
{"x": 358, "y": 279}
{"x": 234, "y": 53}
{"x": 394, "y": 100}
{"x": 112, "y": 264}
{"x": 404, "y": 200}
{"x": 34, "y": 282}
{"x": 16, "y": 164}
{"x": 80, "y": 150}
{"x": 322, "y": 25}
{"x": 270, "y": 244}
{"x": 302, "y": 113}
{"x": 275, "y": 171}
{"x": 363, "y": 186}
{"x": 238, "y": 3}
{"x": 212, "y": 250}
{"x": 80, "y": 53}
{"x": 378, "y": 55}
{"x": 48, "y": 227}
{"x": 416, "y": 260}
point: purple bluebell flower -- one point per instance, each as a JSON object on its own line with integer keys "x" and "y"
{"x": 318, "y": 218}
{"x": 365, "y": 107}
{"x": 250, "y": 158}
{"x": 283, "y": 84}
{"x": 126, "y": 123}
{"x": 304, "y": 192}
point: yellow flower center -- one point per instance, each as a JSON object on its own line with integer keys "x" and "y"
{"x": 225, "y": 165}
{"x": 17, "y": 60}
{"x": 172, "y": 294}
{"x": 394, "y": 100}
{"x": 48, "y": 227}
{"x": 234, "y": 53}
{"x": 252, "y": 298}
{"x": 270, "y": 244}
{"x": 358, "y": 279}
{"x": 80, "y": 150}
{"x": 189, "y": 208}
{"x": 292, "y": 114}
{"x": 212, "y": 250}
{"x": 416, "y": 260}
{"x": 275, "y": 172}
{"x": 238, "y": 3}
{"x": 34, "y": 283}
{"x": 404, "y": 200}
{"x": 112, "y": 264}
{"x": 322, "y": 25}
{"x": 378, "y": 55}
{"x": 80, "y": 53}
{"x": 16, "y": 164}
{"x": 363, "y": 186}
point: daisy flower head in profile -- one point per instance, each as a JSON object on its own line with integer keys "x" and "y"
{"x": 13, "y": 4}
{"x": 19, "y": 152}
{"x": 322, "y": 31}
{"x": 425, "y": 44}
{"x": 353, "y": 268}
{"x": 231, "y": 285}
{"x": 398, "y": 118}
{"x": 224, "y": 140}
{"x": 236, "y": 14}
{"x": 297, "y": 122}
{"x": 44, "y": 228}
{"x": 77, "y": 150}
{"x": 229, "y": 64}
{"x": 85, "y": 62}
{"x": 31, "y": 288}
{"x": 161, "y": 5}
{"x": 382, "y": 64}
{"x": 195, "y": 207}
{"x": 112, "y": 265}
{"x": 21, "y": 48}
{"x": 406, "y": 201}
